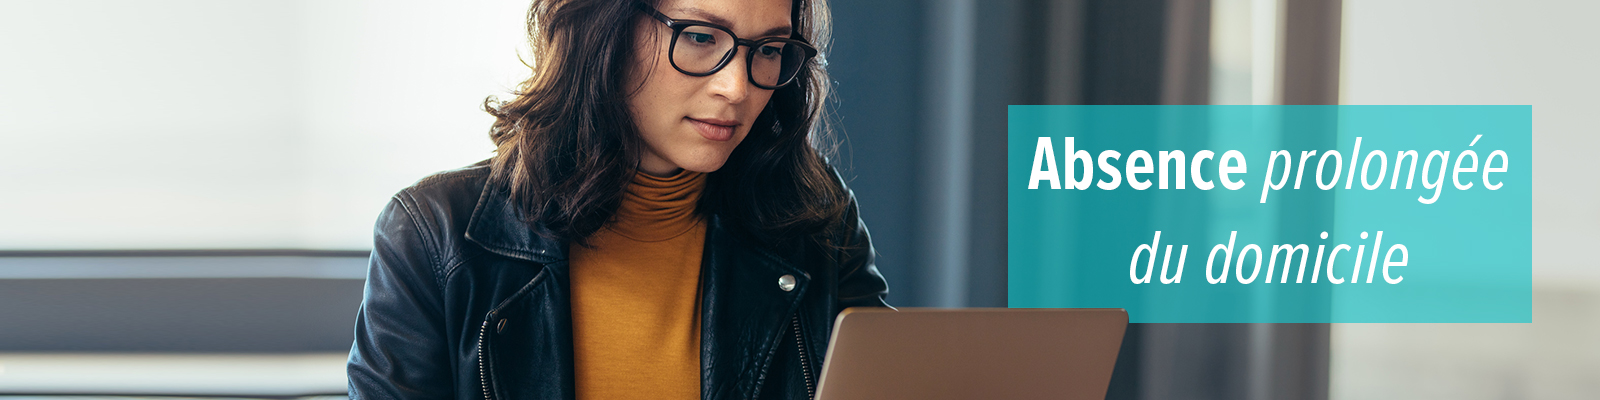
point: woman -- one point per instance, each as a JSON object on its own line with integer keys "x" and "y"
{"x": 656, "y": 222}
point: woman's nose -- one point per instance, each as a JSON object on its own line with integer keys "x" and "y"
{"x": 732, "y": 82}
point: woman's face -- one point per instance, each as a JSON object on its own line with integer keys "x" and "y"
{"x": 690, "y": 122}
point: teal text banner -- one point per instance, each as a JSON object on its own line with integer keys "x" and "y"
{"x": 1273, "y": 214}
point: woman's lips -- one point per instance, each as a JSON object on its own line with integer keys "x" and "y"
{"x": 714, "y": 129}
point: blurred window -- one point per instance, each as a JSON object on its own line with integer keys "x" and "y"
{"x": 174, "y": 124}
{"x": 1525, "y": 52}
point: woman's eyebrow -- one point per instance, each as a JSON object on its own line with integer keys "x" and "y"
{"x": 713, "y": 18}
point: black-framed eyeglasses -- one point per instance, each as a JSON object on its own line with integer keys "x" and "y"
{"x": 701, "y": 48}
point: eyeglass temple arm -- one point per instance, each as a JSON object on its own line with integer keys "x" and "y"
{"x": 642, "y": 6}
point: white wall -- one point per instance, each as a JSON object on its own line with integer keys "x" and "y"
{"x": 237, "y": 124}
{"x": 1543, "y": 53}
{"x": 1540, "y": 52}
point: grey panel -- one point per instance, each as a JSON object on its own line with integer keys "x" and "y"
{"x": 202, "y": 304}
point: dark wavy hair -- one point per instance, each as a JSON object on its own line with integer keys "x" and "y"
{"x": 567, "y": 146}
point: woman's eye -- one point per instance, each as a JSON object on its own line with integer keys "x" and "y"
{"x": 771, "y": 51}
{"x": 699, "y": 38}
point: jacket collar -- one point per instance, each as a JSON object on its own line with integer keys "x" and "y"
{"x": 503, "y": 229}
{"x": 744, "y": 311}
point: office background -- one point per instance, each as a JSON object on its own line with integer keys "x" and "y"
{"x": 189, "y": 186}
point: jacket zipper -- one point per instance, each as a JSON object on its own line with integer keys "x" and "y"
{"x": 483, "y": 371}
{"x": 805, "y": 362}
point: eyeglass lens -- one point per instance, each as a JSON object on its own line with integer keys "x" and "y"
{"x": 699, "y": 49}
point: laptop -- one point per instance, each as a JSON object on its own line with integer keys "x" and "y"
{"x": 973, "y": 353}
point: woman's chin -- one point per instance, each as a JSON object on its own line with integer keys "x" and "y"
{"x": 706, "y": 163}
{"x": 705, "y": 167}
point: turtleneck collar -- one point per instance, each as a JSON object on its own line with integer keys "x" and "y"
{"x": 659, "y": 208}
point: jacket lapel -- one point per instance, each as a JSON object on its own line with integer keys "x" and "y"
{"x": 500, "y": 227}
{"x": 529, "y": 337}
{"x": 536, "y": 319}
{"x": 744, "y": 312}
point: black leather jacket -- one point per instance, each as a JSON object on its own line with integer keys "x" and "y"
{"x": 463, "y": 300}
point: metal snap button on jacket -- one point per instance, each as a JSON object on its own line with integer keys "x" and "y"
{"x": 786, "y": 282}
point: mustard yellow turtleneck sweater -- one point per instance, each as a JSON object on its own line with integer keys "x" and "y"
{"x": 635, "y": 295}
